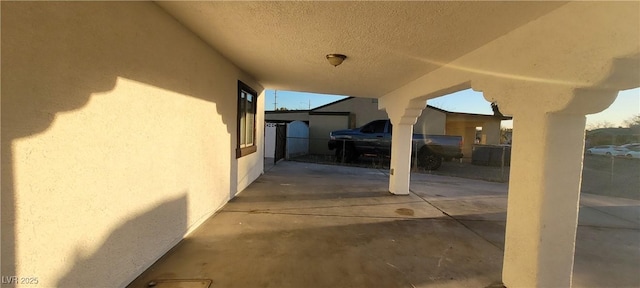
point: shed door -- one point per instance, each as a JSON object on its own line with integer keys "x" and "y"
{"x": 281, "y": 141}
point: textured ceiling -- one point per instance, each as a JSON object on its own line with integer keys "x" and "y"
{"x": 388, "y": 44}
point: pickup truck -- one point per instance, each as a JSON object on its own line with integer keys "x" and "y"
{"x": 374, "y": 138}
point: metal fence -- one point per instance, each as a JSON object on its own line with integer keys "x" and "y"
{"x": 611, "y": 176}
{"x": 484, "y": 170}
{"x": 602, "y": 175}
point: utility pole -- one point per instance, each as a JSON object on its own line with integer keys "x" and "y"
{"x": 275, "y": 100}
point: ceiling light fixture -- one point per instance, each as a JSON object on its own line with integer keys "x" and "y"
{"x": 336, "y": 59}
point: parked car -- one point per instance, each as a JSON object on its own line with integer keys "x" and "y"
{"x": 633, "y": 152}
{"x": 609, "y": 150}
{"x": 623, "y": 150}
{"x": 630, "y": 146}
{"x": 375, "y": 138}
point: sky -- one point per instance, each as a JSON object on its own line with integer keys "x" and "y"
{"x": 625, "y": 106}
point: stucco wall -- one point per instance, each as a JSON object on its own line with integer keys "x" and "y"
{"x": 490, "y": 132}
{"x": 287, "y": 116}
{"x": 319, "y": 128}
{"x": 468, "y": 134}
{"x": 118, "y": 137}
{"x": 364, "y": 109}
{"x": 431, "y": 121}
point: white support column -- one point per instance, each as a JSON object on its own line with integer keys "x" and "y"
{"x": 402, "y": 115}
{"x": 400, "y": 173}
{"x": 544, "y": 189}
{"x": 545, "y": 179}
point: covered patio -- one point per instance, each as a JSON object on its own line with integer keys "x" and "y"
{"x": 311, "y": 225}
{"x": 126, "y": 125}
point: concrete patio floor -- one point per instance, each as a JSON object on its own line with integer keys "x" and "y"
{"x": 311, "y": 225}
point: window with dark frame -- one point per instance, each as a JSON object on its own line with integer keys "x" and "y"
{"x": 247, "y": 105}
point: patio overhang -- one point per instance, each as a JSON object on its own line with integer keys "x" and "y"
{"x": 124, "y": 118}
{"x": 546, "y": 63}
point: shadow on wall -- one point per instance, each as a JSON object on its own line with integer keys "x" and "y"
{"x": 56, "y": 55}
{"x": 127, "y": 241}
{"x": 63, "y": 46}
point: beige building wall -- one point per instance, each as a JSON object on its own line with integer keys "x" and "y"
{"x": 431, "y": 121}
{"x": 468, "y": 133}
{"x": 118, "y": 138}
{"x": 491, "y": 132}
{"x": 319, "y": 128}
{"x": 287, "y": 116}
{"x": 465, "y": 125}
{"x": 364, "y": 110}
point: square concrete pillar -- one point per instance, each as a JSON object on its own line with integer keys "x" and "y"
{"x": 400, "y": 173}
{"x": 544, "y": 188}
{"x": 491, "y": 132}
{"x": 403, "y": 116}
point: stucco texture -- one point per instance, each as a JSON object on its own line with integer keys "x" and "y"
{"x": 431, "y": 122}
{"x": 118, "y": 137}
{"x": 319, "y": 128}
{"x": 364, "y": 110}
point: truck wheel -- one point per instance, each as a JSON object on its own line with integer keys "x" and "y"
{"x": 429, "y": 160}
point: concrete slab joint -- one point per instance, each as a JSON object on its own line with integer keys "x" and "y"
{"x": 544, "y": 187}
{"x": 402, "y": 115}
